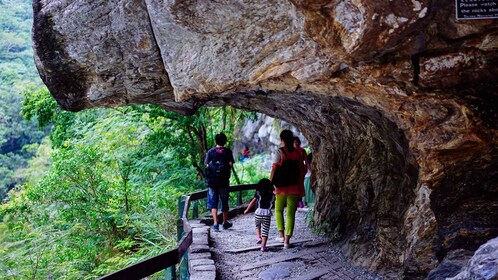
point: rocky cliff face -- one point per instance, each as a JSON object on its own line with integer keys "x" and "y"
{"x": 397, "y": 98}
{"x": 262, "y": 136}
{"x": 483, "y": 264}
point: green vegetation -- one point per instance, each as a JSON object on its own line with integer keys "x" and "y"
{"x": 16, "y": 71}
{"x": 110, "y": 194}
{"x": 85, "y": 194}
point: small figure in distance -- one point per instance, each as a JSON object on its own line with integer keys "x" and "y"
{"x": 245, "y": 154}
{"x": 297, "y": 145}
{"x": 218, "y": 161}
{"x": 262, "y": 216}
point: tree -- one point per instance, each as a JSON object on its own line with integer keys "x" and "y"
{"x": 16, "y": 71}
{"x": 198, "y": 130}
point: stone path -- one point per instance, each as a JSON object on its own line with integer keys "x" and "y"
{"x": 311, "y": 258}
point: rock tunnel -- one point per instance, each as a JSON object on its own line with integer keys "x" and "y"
{"x": 364, "y": 173}
{"x": 397, "y": 99}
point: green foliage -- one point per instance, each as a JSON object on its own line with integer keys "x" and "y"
{"x": 39, "y": 105}
{"x": 308, "y": 219}
{"x": 16, "y": 71}
{"x": 252, "y": 169}
{"x": 101, "y": 192}
{"x": 109, "y": 198}
{"x": 96, "y": 205}
{"x": 15, "y": 133}
{"x": 38, "y": 165}
{"x": 192, "y": 136}
{"x": 15, "y": 36}
{"x": 249, "y": 172}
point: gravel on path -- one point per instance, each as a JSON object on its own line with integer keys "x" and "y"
{"x": 317, "y": 257}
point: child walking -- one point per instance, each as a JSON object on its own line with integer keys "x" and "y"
{"x": 262, "y": 216}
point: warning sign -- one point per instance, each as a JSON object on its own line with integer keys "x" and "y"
{"x": 476, "y": 9}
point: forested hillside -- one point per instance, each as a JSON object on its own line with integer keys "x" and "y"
{"x": 99, "y": 192}
{"x": 17, "y": 71}
{"x": 109, "y": 198}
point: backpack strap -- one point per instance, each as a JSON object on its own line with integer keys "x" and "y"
{"x": 210, "y": 155}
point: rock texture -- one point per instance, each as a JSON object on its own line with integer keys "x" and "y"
{"x": 451, "y": 265}
{"x": 397, "y": 98}
{"x": 483, "y": 265}
{"x": 262, "y": 136}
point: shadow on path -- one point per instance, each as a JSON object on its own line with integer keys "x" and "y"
{"x": 310, "y": 258}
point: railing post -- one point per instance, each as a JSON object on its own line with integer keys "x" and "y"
{"x": 239, "y": 198}
{"x": 183, "y": 268}
{"x": 195, "y": 210}
{"x": 179, "y": 221}
{"x": 170, "y": 273}
{"x": 181, "y": 205}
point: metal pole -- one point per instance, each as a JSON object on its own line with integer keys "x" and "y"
{"x": 183, "y": 268}
{"x": 181, "y": 205}
{"x": 195, "y": 210}
{"x": 170, "y": 273}
{"x": 239, "y": 198}
{"x": 239, "y": 194}
{"x": 179, "y": 222}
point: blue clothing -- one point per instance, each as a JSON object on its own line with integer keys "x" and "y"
{"x": 212, "y": 199}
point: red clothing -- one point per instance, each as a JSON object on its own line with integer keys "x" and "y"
{"x": 303, "y": 152}
{"x": 304, "y": 168}
{"x": 246, "y": 153}
{"x": 298, "y": 188}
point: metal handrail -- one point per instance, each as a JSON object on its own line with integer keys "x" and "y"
{"x": 174, "y": 256}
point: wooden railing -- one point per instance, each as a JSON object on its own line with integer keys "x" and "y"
{"x": 170, "y": 259}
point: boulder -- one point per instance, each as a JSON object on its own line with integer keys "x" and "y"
{"x": 483, "y": 265}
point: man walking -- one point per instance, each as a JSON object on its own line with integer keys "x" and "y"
{"x": 219, "y": 161}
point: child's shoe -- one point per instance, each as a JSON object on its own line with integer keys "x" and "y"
{"x": 301, "y": 204}
{"x": 264, "y": 249}
{"x": 258, "y": 240}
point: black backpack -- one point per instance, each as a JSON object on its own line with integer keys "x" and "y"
{"x": 218, "y": 170}
{"x": 288, "y": 173}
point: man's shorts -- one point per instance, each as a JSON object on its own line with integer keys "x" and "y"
{"x": 214, "y": 195}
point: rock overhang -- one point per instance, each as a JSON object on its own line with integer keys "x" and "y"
{"x": 405, "y": 77}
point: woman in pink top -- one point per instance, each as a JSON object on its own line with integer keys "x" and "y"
{"x": 287, "y": 196}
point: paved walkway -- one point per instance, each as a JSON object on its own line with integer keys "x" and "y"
{"x": 237, "y": 256}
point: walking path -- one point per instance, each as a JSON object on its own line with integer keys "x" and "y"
{"x": 237, "y": 256}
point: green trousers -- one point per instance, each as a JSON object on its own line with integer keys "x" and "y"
{"x": 281, "y": 201}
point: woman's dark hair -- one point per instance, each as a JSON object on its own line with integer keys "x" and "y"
{"x": 288, "y": 137}
{"x": 265, "y": 186}
{"x": 220, "y": 139}
{"x": 298, "y": 140}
